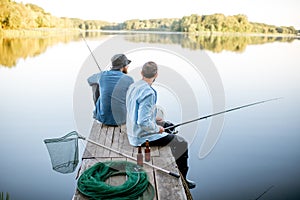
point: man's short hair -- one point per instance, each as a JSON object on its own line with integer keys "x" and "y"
{"x": 149, "y": 69}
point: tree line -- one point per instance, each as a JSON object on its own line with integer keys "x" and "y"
{"x": 207, "y": 23}
{"x": 15, "y": 15}
{"x": 28, "y": 16}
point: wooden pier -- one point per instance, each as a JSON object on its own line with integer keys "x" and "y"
{"x": 165, "y": 186}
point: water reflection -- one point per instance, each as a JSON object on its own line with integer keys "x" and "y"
{"x": 13, "y": 49}
{"x": 214, "y": 43}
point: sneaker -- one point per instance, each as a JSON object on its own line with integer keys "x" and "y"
{"x": 191, "y": 184}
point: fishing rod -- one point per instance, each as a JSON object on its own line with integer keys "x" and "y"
{"x": 264, "y": 192}
{"x": 95, "y": 88}
{"x": 218, "y": 113}
{"x": 90, "y": 52}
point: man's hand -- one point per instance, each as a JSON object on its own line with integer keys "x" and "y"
{"x": 159, "y": 121}
{"x": 168, "y": 124}
{"x": 161, "y": 129}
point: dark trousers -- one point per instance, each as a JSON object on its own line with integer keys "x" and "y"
{"x": 179, "y": 147}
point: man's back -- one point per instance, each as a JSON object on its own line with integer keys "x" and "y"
{"x": 141, "y": 117}
{"x": 110, "y": 106}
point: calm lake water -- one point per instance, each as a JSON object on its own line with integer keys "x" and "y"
{"x": 238, "y": 155}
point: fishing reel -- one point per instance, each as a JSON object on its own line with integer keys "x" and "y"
{"x": 170, "y": 127}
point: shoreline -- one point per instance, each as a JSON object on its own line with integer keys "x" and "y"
{"x": 52, "y": 32}
{"x": 37, "y": 32}
{"x": 237, "y": 34}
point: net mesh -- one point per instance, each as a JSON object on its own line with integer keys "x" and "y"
{"x": 63, "y": 152}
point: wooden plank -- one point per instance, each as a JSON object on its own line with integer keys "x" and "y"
{"x": 91, "y": 148}
{"x": 168, "y": 187}
{"x": 79, "y": 196}
{"x": 108, "y": 141}
{"x": 125, "y": 147}
{"x": 95, "y": 134}
{"x": 101, "y": 140}
{"x": 154, "y": 151}
{"x": 151, "y": 177}
{"x": 115, "y": 143}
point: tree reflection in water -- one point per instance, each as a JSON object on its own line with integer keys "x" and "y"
{"x": 13, "y": 49}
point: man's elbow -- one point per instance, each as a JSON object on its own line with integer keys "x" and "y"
{"x": 147, "y": 127}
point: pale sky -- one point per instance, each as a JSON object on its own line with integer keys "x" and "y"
{"x": 273, "y": 12}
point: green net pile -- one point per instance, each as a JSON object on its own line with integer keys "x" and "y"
{"x": 92, "y": 182}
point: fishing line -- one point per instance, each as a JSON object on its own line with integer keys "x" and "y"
{"x": 90, "y": 51}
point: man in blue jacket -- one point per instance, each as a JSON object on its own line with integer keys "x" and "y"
{"x": 110, "y": 106}
{"x": 142, "y": 123}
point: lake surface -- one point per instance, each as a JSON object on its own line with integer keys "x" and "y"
{"x": 239, "y": 155}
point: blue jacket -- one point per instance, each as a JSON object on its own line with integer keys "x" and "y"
{"x": 141, "y": 114}
{"x": 110, "y": 108}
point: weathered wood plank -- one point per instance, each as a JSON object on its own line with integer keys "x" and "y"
{"x": 115, "y": 142}
{"x": 150, "y": 173}
{"x": 101, "y": 140}
{"x": 154, "y": 151}
{"x": 108, "y": 141}
{"x": 90, "y": 149}
{"x": 125, "y": 147}
{"x": 168, "y": 187}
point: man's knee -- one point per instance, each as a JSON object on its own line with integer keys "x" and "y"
{"x": 179, "y": 147}
{"x": 181, "y": 142}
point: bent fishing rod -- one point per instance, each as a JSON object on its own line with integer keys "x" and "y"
{"x": 90, "y": 52}
{"x": 218, "y": 113}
